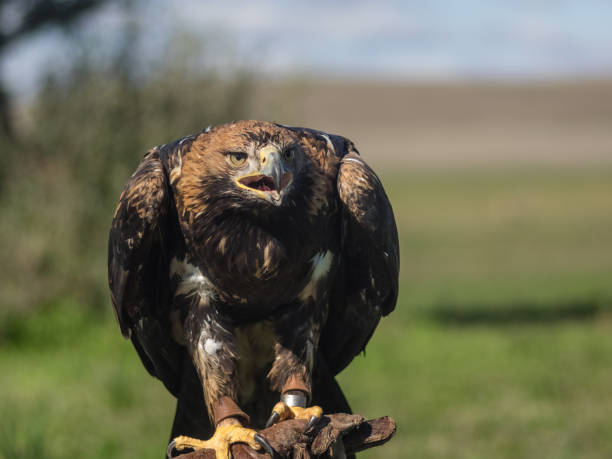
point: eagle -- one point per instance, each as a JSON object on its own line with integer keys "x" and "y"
{"x": 249, "y": 264}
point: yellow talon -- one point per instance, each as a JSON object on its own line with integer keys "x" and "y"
{"x": 296, "y": 412}
{"x": 224, "y": 437}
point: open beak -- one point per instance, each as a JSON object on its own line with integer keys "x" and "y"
{"x": 272, "y": 178}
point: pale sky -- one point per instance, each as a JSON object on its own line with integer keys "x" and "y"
{"x": 399, "y": 40}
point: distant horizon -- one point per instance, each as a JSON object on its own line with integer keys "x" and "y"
{"x": 388, "y": 41}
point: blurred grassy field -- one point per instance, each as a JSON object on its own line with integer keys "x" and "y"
{"x": 501, "y": 344}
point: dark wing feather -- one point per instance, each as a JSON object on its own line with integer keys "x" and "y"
{"x": 367, "y": 283}
{"x": 137, "y": 269}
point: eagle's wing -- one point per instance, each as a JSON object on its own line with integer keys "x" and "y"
{"x": 138, "y": 266}
{"x": 367, "y": 283}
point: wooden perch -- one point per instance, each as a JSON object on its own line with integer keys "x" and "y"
{"x": 289, "y": 440}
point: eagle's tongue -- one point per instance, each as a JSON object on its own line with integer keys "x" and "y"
{"x": 265, "y": 184}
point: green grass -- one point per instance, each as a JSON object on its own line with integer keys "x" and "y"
{"x": 71, "y": 387}
{"x": 482, "y": 392}
{"x": 526, "y": 236}
{"x": 501, "y": 344}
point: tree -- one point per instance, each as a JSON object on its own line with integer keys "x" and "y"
{"x": 26, "y": 18}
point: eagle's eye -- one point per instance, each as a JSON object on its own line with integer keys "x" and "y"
{"x": 288, "y": 154}
{"x": 237, "y": 159}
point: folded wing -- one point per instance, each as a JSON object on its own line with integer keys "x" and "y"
{"x": 138, "y": 267}
{"x": 367, "y": 283}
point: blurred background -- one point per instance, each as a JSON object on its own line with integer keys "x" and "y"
{"x": 490, "y": 124}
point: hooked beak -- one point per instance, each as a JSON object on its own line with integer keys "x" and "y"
{"x": 271, "y": 180}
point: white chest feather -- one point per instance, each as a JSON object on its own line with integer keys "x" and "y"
{"x": 321, "y": 264}
{"x": 192, "y": 281}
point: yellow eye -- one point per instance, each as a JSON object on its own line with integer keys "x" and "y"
{"x": 237, "y": 159}
{"x": 289, "y": 154}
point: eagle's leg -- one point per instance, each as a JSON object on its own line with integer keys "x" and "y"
{"x": 294, "y": 405}
{"x": 291, "y": 373}
{"x": 212, "y": 345}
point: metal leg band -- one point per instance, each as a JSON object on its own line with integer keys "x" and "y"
{"x": 295, "y": 398}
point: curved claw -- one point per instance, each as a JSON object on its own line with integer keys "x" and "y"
{"x": 170, "y": 448}
{"x": 274, "y": 417}
{"x": 313, "y": 421}
{"x": 265, "y": 445}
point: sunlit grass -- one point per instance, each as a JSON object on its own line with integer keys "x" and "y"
{"x": 482, "y": 391}
{"x": 501, "y": 235}
{"x": 88, "y": 394}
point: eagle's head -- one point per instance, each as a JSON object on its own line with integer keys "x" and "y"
{"x": 263, "y": 163}
{"x": 250, "y": 165}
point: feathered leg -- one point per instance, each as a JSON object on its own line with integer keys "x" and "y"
{"x": 212, "y": 345}
{"x": 298, "y": 333}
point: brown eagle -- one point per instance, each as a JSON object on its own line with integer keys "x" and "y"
{"x": 247, "y": 261}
